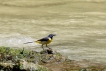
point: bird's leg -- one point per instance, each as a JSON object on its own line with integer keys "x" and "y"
{"x": 42, "y": 46}
{"x": 48, "y": 47}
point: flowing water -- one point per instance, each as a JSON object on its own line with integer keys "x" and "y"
{"x": 80, "y": 26}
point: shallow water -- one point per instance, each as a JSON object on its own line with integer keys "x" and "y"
{"x": 80, "y": 34}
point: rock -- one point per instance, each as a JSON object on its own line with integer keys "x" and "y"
{"x": 48, "y": 51}
{"x": 83, "y": 69}
{"x": 30, "y": 66}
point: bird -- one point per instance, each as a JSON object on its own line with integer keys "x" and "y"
{"x": 45, "y": 40}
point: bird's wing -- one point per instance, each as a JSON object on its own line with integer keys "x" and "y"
{"x": 44, "y": 39}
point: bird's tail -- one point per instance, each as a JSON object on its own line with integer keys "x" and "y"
{"x": 33, "y": 42}
{"x": 28, "y": 42}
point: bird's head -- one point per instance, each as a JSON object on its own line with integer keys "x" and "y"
{"x": 51, "y": 35}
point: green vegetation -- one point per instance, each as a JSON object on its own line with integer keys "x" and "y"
{"x": 15, "y": 59}
{"x": 24, "y": 60}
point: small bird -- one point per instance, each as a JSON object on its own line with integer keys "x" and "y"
{"x": 45, "y": 40}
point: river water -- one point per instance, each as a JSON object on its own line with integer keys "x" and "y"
{"x": 80, "y": 32}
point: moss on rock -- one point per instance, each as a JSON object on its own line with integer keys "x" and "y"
{"x": 26, "y": 60}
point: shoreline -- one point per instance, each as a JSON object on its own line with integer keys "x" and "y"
{"x": 48, "y": 60}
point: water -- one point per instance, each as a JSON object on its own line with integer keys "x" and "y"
{"x": 80, "y": 30}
